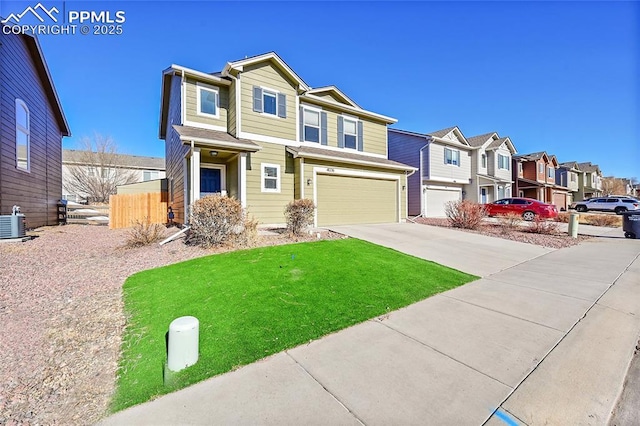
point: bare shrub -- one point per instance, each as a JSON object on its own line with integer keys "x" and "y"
{"x": 542, "y": 226}
{"x": 215, "y": 219}
{"x": 299, "y": 216}
{"x": 465, "y": 214}
{"x": 563, "y": 217}
{"x": 144, "y": 233}
{"x": 509, "y": 222}
{"x": 249, "y": 235}
{"x": 604, "y": 220}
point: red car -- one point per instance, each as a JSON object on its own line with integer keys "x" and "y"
{"x": 528, "y": 208}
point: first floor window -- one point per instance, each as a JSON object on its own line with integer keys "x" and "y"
{"x": 452, "y": 157}
{"x": 208, "y": 100}
{"x": 503, "y": 162}
{"x": 270, "y": 178}
{"x": 23, "y": 136}
{"x": 311, "y": 125}
{"x": 350, "y": 133}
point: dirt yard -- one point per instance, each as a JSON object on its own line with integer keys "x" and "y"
{"x": 62, "y": 319}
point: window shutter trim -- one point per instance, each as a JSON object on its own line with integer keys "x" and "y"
{"x": 257, "y": 99}
{"x": 360, "y": 135}
{"x": 282, "y": 105}
{"x": 323, "y": 128}
{"x": 340, "y": 132}
{"x": 301, "y": 120}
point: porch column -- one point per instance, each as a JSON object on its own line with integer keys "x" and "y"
{"x": 195, "y": 174}
{"x": 242, "y": 179}
{"x": 495, "y": 192}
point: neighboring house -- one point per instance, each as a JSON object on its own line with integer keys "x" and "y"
{"x": 535, "y": 177}
{"x": 135, "y": 168}
{"x": 589, "y": 181}
{"x": 567, "y": 175}
{"x": 443, "y": 160}
{"x": 32, "y": 125}
{"x": 491, "y": 176}
{"x": 257, "y": 132}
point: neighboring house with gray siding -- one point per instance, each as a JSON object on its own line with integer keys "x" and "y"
{"x": 131, "y": 169}
{"x": 567, "y": 175}
{"x": 490, "y": 168}
{"x": 32, "y": 125}
{"x": 589, "y": 181}
{"x": 257, "y": 132}
{"x": 443, "y": 160}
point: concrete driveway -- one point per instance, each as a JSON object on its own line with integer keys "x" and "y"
{"x": 471, "y": 253}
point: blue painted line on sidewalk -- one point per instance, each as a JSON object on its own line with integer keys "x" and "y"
{"x": 507, "y": 419}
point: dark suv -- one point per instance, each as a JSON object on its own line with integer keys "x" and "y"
{"x": 608, "y": 204}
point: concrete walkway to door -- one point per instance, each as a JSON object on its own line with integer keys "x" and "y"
{"x": 545, "y": 337}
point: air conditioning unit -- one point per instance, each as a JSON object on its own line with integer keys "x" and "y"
{"x": 12, "y": 226}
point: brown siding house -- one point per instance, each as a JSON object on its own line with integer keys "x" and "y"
{"x": 32, "y": 125}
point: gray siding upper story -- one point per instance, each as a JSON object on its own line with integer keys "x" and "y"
{"x": 439, "y": 170}
{"x": 501, "y": 173}
{"x": 567, "y": 178}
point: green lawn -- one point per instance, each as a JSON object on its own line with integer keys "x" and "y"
{"x": 255, "y": 303}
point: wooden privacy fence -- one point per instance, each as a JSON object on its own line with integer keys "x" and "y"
{"x": 125, "y": 209}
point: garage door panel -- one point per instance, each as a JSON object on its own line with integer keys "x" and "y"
{"x": 436, "y": 199}
{"x": 345, "y": 200}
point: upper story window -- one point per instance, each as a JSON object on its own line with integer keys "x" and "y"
{"x": 270, "y": 177}
{"x": 350, "y": 133}
{"x": 105, "y": 172}
{"x": 149, "y": 175}
{"x": 519, "y": 167}
{"x": 573, "y": 177}
{"x": 23, "y": 136}
{"x": 91, "y": 171}
{"x": 452, "y": 156}
{"x": 550, "y": 172}
{"x": 208, "y": 101}
{"x": 541, "y": 168}
{"x": 311, "y": 125}
{"x": 483, "y": 161}
{"x": 503, "y": 162}
{"x": 269, "y": 102}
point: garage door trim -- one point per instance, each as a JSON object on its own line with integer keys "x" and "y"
{"x": 353, "y": 173}
{"x": 443, "y": 188}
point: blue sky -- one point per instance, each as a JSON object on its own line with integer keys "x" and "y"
{"x": 555, "y": 76}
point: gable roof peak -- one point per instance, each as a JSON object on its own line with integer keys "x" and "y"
{"x": 269, "y": 56}
{"x": 480, "y": 140}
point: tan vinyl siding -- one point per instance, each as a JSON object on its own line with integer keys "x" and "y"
{"x": 374, "y": 132}
{"x": 231, "y": 113}
{"x": 37, "y": 192}
{"x": 438, "y": 168}
{"x": 175, "y": 152}
{"x": 266, "y": 75}
{"x": 330, "y": 97}
{"x": 191, "y": 105}
{"x": 232, "y": 177}
{"x": 268, "y": 207}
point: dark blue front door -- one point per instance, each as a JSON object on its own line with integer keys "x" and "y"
{"x": 210, "y": 180}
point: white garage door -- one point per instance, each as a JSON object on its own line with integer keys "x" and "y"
{"x": 435, "y": 200}
{"x": 346, "y": 200}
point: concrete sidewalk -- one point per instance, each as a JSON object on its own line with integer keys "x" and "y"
{"x": 545, "y": 337}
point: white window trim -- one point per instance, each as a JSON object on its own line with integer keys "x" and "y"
{"x": 216, "y": 90}
{"x": 275, "y": 93}
{"x": 319, "y": 111}
{"x": 262, "y": 177}
{"x": 344, "y": 133}
{"x": 452, "y": 151}
{"x": 550, "y": 172}
{"x": 483, "y": 161}
{"x": 25, "y": 130}
{"x": 507, "y": 160}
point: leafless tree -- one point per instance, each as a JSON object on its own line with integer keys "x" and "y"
{"x": 613, "y": 186}
{"x": 94, "y": 170}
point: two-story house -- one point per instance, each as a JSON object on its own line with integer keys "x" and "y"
{"x": 535, "y": 177}
{"x": 256, "y": 131}
{"x": 491, "y": 177}
{"x": 32, "y": 125}
{"x": 443, "y": 160}
{"x": 567, "y": 175}
{"x": 589, "y": 181}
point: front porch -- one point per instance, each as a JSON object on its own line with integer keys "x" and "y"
{"x": 491, "y": 189}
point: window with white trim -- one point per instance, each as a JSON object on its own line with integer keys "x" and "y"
{"x": 452, "y": 156}
{"x": 208, "y": 101}
{"x": 106, "y": 172}
{"x": 484, "y": 161}
{"x": 550, "y": 172}
{"x": 573, "y": 177}
{"x": 23, "y": 136}
{"x": 270, "y": 177}
{"x": 311, "y": 125}
{"x": 520, "y": 168}
{"x": 270, "y": 102}
{"x": 503, "y": 162}
{"x": 91, "y": 171}
{"x": 350, "y": 133}
{"x": 149, "y": 175}
{"x": 541, "y": 168}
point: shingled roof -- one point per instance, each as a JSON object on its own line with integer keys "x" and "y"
{"x": 476, "y": 141}
{"x": 441, "y": 133}
{"x": 75, "y": 156}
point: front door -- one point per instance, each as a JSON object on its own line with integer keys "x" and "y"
{"x": 210, "y": 181}
{"x": 483, "y": 195}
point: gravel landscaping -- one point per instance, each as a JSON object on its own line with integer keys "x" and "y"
{"x": 62, "y": 320}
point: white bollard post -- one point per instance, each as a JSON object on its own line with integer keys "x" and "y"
{"x": 183, "y": 343}
{"x": 573, "y": 225}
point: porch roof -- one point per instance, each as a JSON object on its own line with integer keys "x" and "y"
{"x": 493, "y": 179}
{"x": 347, "y": 157}
{"x": 215, "y": 138}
